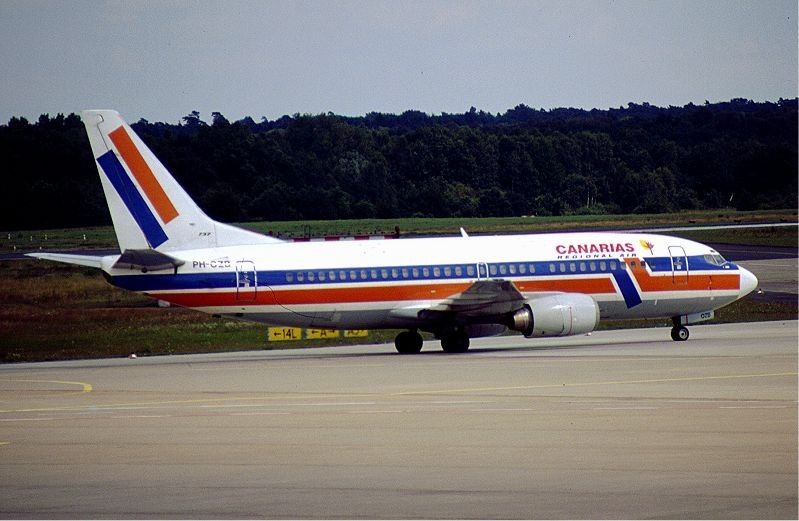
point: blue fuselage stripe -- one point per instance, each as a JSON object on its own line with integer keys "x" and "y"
{"x": 627, "y": 288}
{"x": 135, "y": 203}
{"x": 408, "y": 274}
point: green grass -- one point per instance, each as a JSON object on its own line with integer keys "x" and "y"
{"x": 103, "y": 236}
{"x": 773, "y": 236}
{"x": 475, "y": 225}
{"x": 748, "y": 309}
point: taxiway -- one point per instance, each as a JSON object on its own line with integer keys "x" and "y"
{"x": 620, "y": 424}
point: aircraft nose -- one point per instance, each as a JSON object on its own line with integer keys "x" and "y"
{"x": 748, "y": 282}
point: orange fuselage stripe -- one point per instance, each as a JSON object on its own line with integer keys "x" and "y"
{"x": 293, "y": 297}
{"x": 144, "y": 176}
{"x": 695, "y": 280}
{"x": 265, "y": 296}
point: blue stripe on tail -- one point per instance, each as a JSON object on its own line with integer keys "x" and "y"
{"x": 132, "y": 198}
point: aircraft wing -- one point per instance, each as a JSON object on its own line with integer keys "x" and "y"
{"x": 483, "y": 298}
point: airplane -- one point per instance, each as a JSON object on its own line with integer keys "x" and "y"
{"x": 457, "y": 288}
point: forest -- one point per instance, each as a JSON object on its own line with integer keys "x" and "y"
{"x": 636, "y": 159}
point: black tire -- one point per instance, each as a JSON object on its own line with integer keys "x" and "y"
{"x": 680, "y": 334}
{"x": 455, "y": 342}
{"x": 408, "y": 343}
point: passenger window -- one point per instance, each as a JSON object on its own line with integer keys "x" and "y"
{"x": 321, "y": 276}
{"x": 416, "y": 273}
{"x": 492, "y": 269}
{"x": 458, "y": 271}
{"x": 425, "y": 272}
{"x": 300, "y": 277}
{"x": 470, "y": 271}
{"x": 592, "y": 265}
{"x": 602, "y": 266}
{"x": 562, "y": 268}
{"x": 364, "y": 275}
{"x": 447, "y": 271}
{"x": 582, "y": 267}
{"x": 342, "y": 275}
{"x": 503, "y": 270}
{"x": 436, "y": 272}
{"x": 289, "y": 277}
{"x": 405, "y": 273}
{"x": 552, "y": 268}
{"x": 573, "y": 267}
{"x": 512, "y": 269}
{"x": 522, "y": 269}
{"x": 311, "y": 276}
{"x": 331, "y": 275}
{"x": 394, "y": 273}
{"x": 613, "y": 266}
{"x": 384, "y": 274}
{"x": 532, "y": 268}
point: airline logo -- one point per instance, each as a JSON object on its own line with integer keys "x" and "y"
{"x": 159, "y": 201}
{"x": 594, "y": 250}
{"x": 648, "y": 245}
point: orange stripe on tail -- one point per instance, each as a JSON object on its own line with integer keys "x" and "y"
{"x": 145, "y": 177}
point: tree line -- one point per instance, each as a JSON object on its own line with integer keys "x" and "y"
{"x": 634, "y": 159}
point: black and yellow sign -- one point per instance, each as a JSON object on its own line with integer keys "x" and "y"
{"x": 282, "y": 334}
{"x": 318, "y": 334}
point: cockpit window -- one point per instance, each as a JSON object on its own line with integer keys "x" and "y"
{"x": 715, "y": 259}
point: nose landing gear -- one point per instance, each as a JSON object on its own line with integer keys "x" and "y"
{"x": 679, "y": 333}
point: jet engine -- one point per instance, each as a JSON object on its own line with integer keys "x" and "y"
{"x": 562, "y": 314}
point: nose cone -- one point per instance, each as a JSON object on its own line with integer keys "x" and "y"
{"x": 748, "y": 282}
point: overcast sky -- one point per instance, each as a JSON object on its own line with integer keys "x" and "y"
{"x": 162, "y": 59}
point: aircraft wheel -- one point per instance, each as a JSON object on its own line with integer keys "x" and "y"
{"x": 679, "y": 334}
{"x": 455, "y": 342}
{"x": 408, "y": 342}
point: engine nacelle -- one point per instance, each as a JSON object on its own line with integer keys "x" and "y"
{"x": 562, "y": 314}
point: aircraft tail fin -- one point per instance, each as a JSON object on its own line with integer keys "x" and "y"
{"x": 149, "y": 209}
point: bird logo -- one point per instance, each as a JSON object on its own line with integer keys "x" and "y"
{"x": 648, "y": 245}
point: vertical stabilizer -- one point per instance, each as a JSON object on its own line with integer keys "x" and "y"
{"x": 150, "y": 210}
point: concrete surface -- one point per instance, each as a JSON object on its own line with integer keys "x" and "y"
{"x": 775, "y": 275}
{"x": 619, "y": 424}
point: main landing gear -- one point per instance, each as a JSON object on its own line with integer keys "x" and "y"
{"x": 679, "y": 333}
{"x": 455, "y": 341}
{"x": 408, "y": 342}
{"x": 452, "y": 341}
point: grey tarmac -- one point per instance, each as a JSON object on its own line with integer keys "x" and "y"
{"x": 618, "y": 424}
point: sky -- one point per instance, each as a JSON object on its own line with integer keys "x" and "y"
{"x": 160, "y": 60}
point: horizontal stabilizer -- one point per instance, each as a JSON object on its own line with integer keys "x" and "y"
{"x": 93, "y": 261}
{"x": 146, "y": 260}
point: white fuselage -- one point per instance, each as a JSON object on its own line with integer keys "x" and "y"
{"x": 382, "y": 283}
